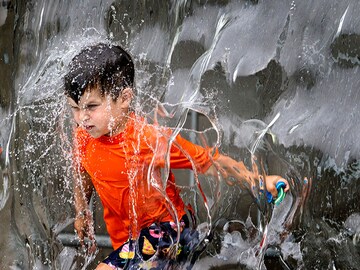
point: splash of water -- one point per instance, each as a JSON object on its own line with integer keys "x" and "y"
{"x": 232, "y": 62}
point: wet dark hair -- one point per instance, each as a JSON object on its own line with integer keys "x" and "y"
{"x": 108, "y": 66}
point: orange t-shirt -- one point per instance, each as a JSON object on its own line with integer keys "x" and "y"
{"x": 126, "y": 172}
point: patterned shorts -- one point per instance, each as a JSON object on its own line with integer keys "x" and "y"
{"x": 158, "y": 240}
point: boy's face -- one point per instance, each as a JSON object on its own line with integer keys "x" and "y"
{"x": 101, "y": 115}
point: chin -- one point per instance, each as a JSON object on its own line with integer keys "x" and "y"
{"x": 97, "y": 135}
{"x": 94, "y": 135}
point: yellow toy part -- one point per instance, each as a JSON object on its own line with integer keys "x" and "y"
{"x": 126, "y": 253}
{"x": 148, "y": 249}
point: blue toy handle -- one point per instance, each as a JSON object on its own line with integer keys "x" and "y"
{"x": 280, "y": 186}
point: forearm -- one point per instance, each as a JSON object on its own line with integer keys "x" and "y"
{"x": 83, "y": 223}
{"x": 83, "y": 189}
{"x": 81, "y": 203}
{"x": 226, "y": 167}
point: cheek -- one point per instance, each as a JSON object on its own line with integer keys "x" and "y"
{"x": 101, "y": 118}
{"x": 107, "y": 114}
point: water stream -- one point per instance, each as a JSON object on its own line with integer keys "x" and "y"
{"x": 271, "y": 80}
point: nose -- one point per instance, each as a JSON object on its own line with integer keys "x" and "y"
{"x": 84, "y": 116}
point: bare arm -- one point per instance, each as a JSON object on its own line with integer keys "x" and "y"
{"x": 229, "y": 167}
{"x": 83, "y": 224}
{"x": 83, "y": 189}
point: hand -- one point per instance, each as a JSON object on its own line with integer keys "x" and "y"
{"x": 271, "y": 181}
{"x": 84, "y": 228}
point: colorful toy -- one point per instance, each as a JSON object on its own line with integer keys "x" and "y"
{"x": 281, "y": 194}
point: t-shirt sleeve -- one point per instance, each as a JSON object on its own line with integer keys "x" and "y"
{"x": 183, "y": 154}
{"x": 187, "y": 155}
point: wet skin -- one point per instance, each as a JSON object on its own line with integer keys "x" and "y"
{"x": 101, "y": 115}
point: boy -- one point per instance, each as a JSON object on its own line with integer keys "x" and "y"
{"x": 120, "y": 155}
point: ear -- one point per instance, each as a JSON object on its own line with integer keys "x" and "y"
{"x": 126, "y": 96}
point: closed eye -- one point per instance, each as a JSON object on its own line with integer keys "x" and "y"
{"x": 91, "y": 107}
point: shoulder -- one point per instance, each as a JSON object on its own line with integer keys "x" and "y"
{"x": 147, "y": 134}
{"x": 139, "y": 126}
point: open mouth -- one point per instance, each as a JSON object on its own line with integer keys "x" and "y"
{"x": 88, "y": 128}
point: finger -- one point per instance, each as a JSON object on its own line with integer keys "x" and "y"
{"x": 287, "y": 186}
{"x": 274, "y": 192}
{"x": 81, "y": 241}
{"x": 92, "y": 247}
{"x": 92, "y": 238}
